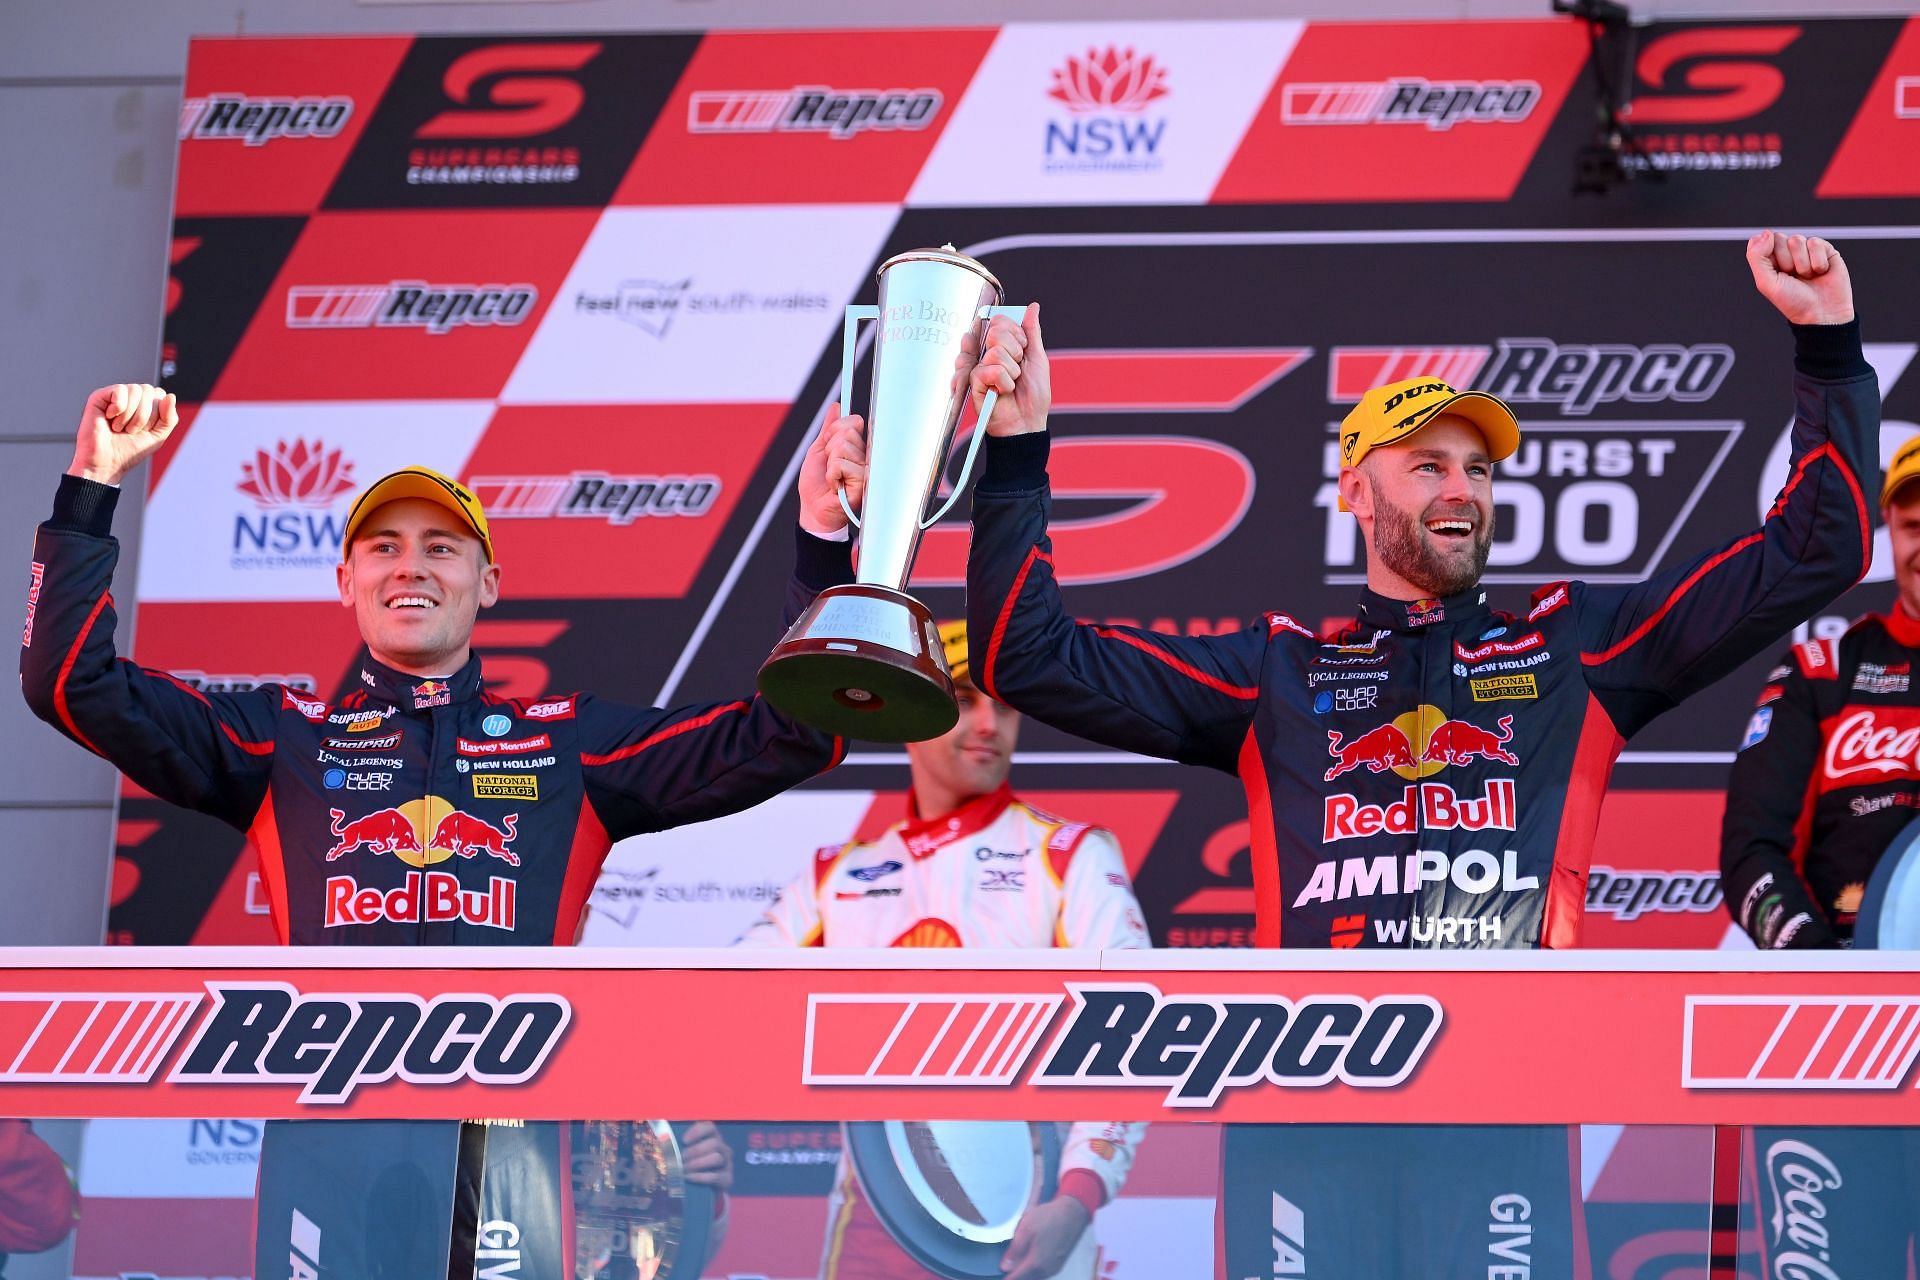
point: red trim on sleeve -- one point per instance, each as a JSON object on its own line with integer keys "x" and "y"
{"x": 1267, "y": 904}
{"x": 984, "y": 674}
{"x": 685, "y": 726}
{"x": 264, "y": 835}
{"x": 66, "y": 669}
{"x": 1186, "y": 669}
{"x": 1085, "y": 1186}
{"x": 584, "y": 857}
{"x": 1593, "y": 758}
{"x": 251, "y": 748}
{"x": 1799, "y": 472}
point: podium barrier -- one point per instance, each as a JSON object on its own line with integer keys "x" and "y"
{"x": 1693, "y": 1072}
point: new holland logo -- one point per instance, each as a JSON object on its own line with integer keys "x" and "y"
{"x": 268, "y": 1033}
{"x": 1119, "y": 1034}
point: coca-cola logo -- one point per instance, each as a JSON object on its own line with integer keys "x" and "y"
{"x": 1114, "y": 80}
{"x": 300, "y": 474}
{"x": 1797, "y": 1173}
{"x": 1862, "y": 744}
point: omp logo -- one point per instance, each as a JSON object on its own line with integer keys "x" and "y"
{"x": 413, "y": 304}
{"x": 839, "y": 113}
{"x": 595, "y": 495}
{"x": 234, "y": 117}
{"x": 81, "y": 1038}
{"x": 1354, "y": 371}
{"x": 1717, "y": 70}
{"x": 512, "y": 91}
{"x": 1438, "y": 105}
{"x": 1120, "y": 1034}
{"x": 864, "y": 1039}
{"x": 1805, "y": 1042}
{"x": 331, "y": 1045}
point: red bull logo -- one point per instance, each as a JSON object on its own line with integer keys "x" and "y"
{"x": 404, "y": 832}
{"x": 424, "y": 897}
{"x": 1419, "y": 743}
{"x": 431, "y": 693}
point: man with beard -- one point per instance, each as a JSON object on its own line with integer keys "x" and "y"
{"x": 972, "y": 865}
{"x": 1382, "y": 767}
{"x": 1387, "y": 801}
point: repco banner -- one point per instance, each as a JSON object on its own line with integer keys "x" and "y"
{"x": 1830, "y": 1040}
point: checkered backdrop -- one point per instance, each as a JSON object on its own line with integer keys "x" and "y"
{"x": 601, "y": 279}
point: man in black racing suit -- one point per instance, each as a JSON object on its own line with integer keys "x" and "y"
{"x": 1827, "y": 776}
{"x": 418, "y": 808}
{"x": 1433, "y": 777}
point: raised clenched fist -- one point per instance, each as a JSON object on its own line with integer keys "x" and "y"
{"x": 1803, "y": 276}
{"x": 121, "y": 425}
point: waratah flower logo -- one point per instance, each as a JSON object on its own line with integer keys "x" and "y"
{"x": 1116, "y": 80}
{"x": 300, "y": 474}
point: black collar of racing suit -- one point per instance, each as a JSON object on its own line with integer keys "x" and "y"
{"x": 1381, "y": 613}
{"x": 417, "y": 693}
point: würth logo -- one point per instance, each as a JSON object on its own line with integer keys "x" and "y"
{"x": 1808, "y": 1042}
{"x": 839, "y": 113}
{"x": 1120, "y": 1034}
{"x": 410, "y": 304}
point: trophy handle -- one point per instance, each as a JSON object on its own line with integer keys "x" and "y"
{"x": 849, "y": 338}
{"x": 979, "y": 429}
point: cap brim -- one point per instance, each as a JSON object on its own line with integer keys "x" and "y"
{"x": 408, "y": 484}
{"x": 1897, "y": 479}
{"x": 1498, "y": 426}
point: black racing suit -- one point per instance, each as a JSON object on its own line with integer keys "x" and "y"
{"x": 411, "y": 811}
{"x": 1828, "y": 774}
{"x": 1432, "y": 778}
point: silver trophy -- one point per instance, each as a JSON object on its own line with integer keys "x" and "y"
{"x": 865, "y": 660}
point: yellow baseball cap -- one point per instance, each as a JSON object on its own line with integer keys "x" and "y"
{"x": 953, "y": 639}
{"x": 1904, "y": 467}
{"x": 1387, "y": 415}
{"x": 419, "y": 482}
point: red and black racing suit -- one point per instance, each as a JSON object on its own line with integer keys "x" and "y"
{"x": 1827, "y": 776}
{"x": 1433, "y": 778}
{"x": 411, "y": 811}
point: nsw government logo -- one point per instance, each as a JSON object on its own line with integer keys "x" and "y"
{"x": 295, "y": 489}
{"x": 1110, "y": 125}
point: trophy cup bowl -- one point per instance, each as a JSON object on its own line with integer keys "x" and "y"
{"x": 865, "y": 660}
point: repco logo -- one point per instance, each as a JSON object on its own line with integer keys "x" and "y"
{"x": 268, "y": 1033}
{"x": 1195, "y": 1047}
{"x": 1863, "y": 746}
{"x": 501, "y": 101}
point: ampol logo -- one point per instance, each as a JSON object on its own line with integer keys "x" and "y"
{"x": 1107, "y": 93}
{"x": 295, "y": 487}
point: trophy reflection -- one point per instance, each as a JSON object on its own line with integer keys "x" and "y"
{"x": 865, "y": 660}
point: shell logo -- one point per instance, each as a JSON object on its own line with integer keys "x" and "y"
{"x": 929, "y": 933}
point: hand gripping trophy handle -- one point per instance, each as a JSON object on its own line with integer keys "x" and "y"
{"x": 865, "y": 660}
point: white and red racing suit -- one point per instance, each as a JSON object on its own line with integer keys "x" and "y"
{"x": 997, "y": 872}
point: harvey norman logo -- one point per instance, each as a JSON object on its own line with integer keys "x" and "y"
{"x": 1192, "y": 1047}
{"x": 328, "y": 1045}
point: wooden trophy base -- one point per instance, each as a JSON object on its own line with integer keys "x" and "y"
{"x": 863, "y": 662}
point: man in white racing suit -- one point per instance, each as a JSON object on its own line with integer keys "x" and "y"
{"x": 972, "y": 865}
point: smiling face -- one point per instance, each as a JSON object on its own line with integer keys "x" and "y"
{"x": 1425, "y": 506}
{"x": 968, "y": 760}
{"x": 1902, "y": 518}
{"x": 415, "y": 579}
